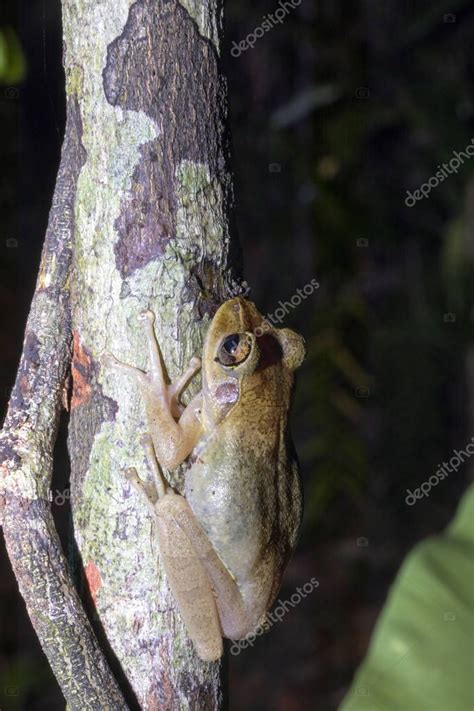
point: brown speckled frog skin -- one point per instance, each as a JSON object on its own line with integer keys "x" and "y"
{"x": 225, "y": 544}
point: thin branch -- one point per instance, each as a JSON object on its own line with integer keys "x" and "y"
{"x": 26, "y": 447}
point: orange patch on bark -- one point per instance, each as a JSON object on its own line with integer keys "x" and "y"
{"x": 152, "y": 701}
{"x": 81, "y": 368}
{"x": 24, "y": 385}
{"x": 94, "y": 581}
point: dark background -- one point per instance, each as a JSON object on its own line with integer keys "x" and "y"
{"x": 336, "y": 113}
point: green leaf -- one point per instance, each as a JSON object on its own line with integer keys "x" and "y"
{"x": 421, "y": 657}
{"x": 12, "y": 60}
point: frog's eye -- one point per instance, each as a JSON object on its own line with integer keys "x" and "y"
{"x": 234, "y": 349}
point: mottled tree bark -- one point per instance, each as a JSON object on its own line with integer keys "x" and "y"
{"x": 26, "y": 449}
{"x": 140, "y": 219}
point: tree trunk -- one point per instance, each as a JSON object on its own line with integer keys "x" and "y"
{"x": 140, "y": 219}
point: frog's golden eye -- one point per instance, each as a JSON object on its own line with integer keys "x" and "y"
{"x": 234, "y": 349}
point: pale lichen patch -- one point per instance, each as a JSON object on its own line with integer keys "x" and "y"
{"x": 206, "y": 17}
{"x": 113, "y": 528}
{"x": 200, "y": 213}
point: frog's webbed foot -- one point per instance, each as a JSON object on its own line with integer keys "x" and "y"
{"x": 153, "y": 382}
{"x": 161, "y": 485}
{"x": 149, "y": 495}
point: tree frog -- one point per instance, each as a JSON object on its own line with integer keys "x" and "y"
{"x": 226, "y": 542}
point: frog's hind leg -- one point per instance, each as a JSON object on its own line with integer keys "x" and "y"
{"x": 161, "y": 485}
{"x": 188, "y": 578}
{"x": 192, "y": 538}
{"x": 236, "y": 622}
{"x": 186, "y": 574}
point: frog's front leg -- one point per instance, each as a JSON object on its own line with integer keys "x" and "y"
{"x": 174, "y": 430}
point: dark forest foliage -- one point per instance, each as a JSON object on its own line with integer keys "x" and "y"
{"x": 337, "y": 112}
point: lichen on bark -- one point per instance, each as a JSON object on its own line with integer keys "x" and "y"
{"x": 26, "y": 448}
{"x": 152, "y": 218}
{"x": 208, "y": 16}
{"x": 141, "y": 218}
